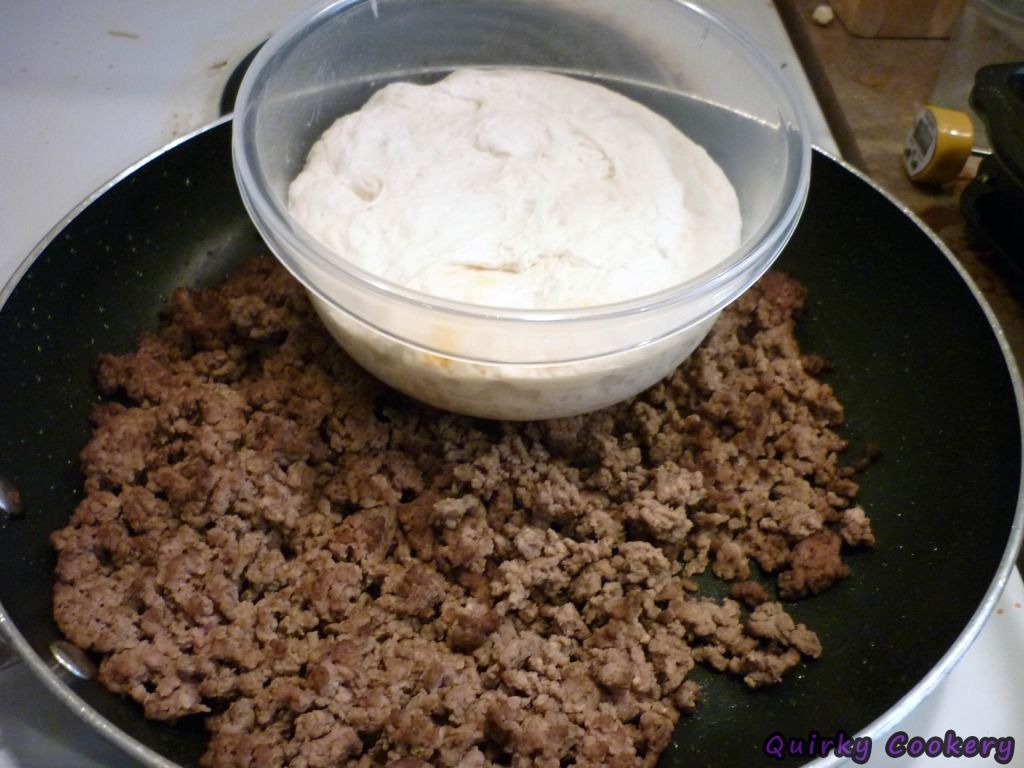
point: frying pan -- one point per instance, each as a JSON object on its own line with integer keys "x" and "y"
{"x": 918, "y": 361}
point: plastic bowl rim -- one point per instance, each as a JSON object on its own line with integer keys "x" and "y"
{"x": 291, "y": 244}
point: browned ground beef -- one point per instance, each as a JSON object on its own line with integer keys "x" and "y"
{"x": 341, "y": 576}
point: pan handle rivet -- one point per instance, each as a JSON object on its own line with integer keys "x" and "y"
{"x": 10, "y": 500}
{"x": 73, "y": 659}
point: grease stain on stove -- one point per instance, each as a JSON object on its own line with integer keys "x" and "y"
{"x": 181, "y": 123}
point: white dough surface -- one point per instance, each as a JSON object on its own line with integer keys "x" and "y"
{"x": 518, "y": 189}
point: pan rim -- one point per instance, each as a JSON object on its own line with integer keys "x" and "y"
{"x": 24, "y": 652}
{"x": 948, "y": 661}
{"x": 9, "y": 633}
{"x": 26, "y": 263}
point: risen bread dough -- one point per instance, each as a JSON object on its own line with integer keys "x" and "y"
{"x": 516, "y": 188}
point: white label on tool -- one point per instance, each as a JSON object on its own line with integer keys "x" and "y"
{"x": 920, "y": 149}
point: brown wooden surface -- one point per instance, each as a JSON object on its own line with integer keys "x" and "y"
{"x": 871, "y": 90}
{"x": 898, "y": 18}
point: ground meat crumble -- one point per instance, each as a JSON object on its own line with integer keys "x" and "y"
{"x": 340, "y": 576}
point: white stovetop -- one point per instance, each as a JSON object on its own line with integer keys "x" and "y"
{"x": 88, "y": 87}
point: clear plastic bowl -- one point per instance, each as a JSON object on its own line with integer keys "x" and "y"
{"x": 691, "y": 66}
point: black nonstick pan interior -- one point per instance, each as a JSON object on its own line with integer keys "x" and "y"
{"x": 916, "y": 361}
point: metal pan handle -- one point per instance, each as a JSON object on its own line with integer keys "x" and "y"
{"x": 10, "y": 506}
